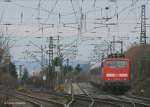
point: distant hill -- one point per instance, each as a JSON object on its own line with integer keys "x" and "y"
{"x": 85, "y": 67}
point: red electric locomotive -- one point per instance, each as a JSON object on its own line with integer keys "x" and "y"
{"x": 113, "y": 73}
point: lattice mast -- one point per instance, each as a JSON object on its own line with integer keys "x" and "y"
{"x": 143, "y": 26}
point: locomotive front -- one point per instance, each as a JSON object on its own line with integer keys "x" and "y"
{"x": 116, "y": 72}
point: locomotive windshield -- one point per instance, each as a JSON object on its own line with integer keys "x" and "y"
{"x": 117, "y": 64}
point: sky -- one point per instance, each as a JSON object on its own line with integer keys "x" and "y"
{"x": 29, "y": 23}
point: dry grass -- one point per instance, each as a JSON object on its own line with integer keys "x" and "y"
{"x": 7, "y": 81}
{"x": 140, "y": 61}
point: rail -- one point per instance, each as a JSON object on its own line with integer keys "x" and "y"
{"x": 142, "y": 99}
{"x": 91, "y": 98}
{"x": 72, "y": 97}
{"x": 37, "y": 104}
{"x": 128, "y": 100}
{"x": 42, "y": 100}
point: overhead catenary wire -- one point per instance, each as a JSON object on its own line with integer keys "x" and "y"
{"x": 64, "y": 15}
{"x": 51, "y": 11}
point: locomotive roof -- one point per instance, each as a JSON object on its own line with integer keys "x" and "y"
{"x": 94, "y": 66}
{"x": 106, "y": 59}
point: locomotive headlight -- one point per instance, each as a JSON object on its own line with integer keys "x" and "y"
{"x": 116, "y": 75}
{"x": 123, "y": 75}
{"x": 110, "y": 75}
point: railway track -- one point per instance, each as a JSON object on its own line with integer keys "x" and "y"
{"x": 90, "y": 101}
{"x": 85, "y": 100}
{"x": 122, "y": 102}
{"x": 127, "y": 103}
{"x": 33, "y": 102}
{"x": 72, "y": 101}
{"x": 143, "y": 99}
{"x": 135, "y": 101}
{"x": 44, "y": 101}
{"x": 114, "y": 102}
{"x": 78, "y": 102}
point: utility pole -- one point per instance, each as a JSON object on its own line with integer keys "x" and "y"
{"x": 42, "y": 67}
{"x": 102, "y": 56}
{"x": 50, "y": 67}
{"x": 143, "y": 26}
{"x": 121, "y": 42}
{"x": 42, "y": 57}
{"x": 110, "y": 47}
{"x": 58, "y": 46}
{"x": 8, "y": 61}
{"x": 113, "y": 44}
{"x": 58, "y": 72}
{"x": 20, "y": 72}
{"x": 67, "y": 65}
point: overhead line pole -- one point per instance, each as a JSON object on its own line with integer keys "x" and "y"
{"x": 143, "y": 26}
{"x": 50, "y": 67}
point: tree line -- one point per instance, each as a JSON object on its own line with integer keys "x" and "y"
{"x": 51, "y": 75}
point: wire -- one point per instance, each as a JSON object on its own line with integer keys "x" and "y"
{"x": 33, "y": 8}
{"x": 74, "y": 11}
{"x": 51, "y": 11}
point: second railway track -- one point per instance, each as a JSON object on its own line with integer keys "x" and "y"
{"x": 109, "y": 102}
{"x": 86, "y": 100}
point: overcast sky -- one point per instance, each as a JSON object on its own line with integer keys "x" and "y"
{"x": 29, "y": 17}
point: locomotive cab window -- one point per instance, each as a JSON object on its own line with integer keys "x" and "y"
{"x": 117, "y": 64}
